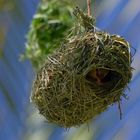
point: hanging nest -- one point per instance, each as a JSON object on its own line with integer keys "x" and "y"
{"x": 82, "y": 78}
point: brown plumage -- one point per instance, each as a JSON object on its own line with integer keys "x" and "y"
{"x": 98, "y": 75}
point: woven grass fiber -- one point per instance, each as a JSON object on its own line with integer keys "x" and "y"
{"x": 83, "y": 77}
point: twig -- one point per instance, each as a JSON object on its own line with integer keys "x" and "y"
{"x": 119, "y": 106}
{"x": 89, "y": 7}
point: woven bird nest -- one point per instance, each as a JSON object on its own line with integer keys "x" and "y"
{"x": 82, "y": 78}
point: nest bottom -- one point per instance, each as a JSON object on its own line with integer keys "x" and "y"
{"x": 75, "y": 100}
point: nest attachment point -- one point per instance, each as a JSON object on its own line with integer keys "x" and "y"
{"x": 82, "y": 78}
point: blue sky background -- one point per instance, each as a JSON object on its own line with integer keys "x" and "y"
{"x": 18, "y": 118}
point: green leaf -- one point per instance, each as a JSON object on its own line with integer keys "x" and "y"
{"x": 48, "y": 28}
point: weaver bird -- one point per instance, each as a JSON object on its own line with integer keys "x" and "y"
{"x": 98, "y": 75}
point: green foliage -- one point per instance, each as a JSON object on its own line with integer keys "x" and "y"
{"x": 48, "y": 28}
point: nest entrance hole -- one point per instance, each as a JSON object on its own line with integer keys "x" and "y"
{"x": 102, "y": 76}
